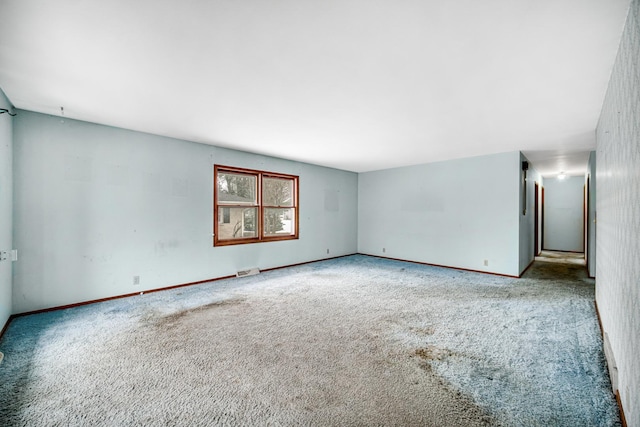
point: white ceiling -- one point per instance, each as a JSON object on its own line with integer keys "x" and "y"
{"x": 352, "y": 84}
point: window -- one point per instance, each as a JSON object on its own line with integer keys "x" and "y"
{"x": 253, "y": 206}
{"x": 226, "y": 215}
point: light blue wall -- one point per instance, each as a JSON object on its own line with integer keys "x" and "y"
{"x": 456, "y": 213}
{"x": 564, "y": 214}
{"x": 6, "y": 204}
{"x": 527, "y": 217}
{"x": 96, "y": 205}
{"x": 618, "y": 215}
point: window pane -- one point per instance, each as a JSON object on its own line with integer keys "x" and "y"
{"x": 279, "y": 222}
{"x": 277, "y": 192}
{"x": 237, "y": 189}
{"x": 241, "y": 225}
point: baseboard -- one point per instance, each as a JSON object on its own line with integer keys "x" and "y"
{"x": 6, "y": 325}
{"x": 566, "y": 252}
{"x": 307, "y": 262}
{"x": 623, "y": 420}
{"x": 95, "y": 301}
{"x": 148, "y": 291}
{"x": 441, "y": 266}
{"x": 595, "y": 304}
{"x": 528, "y": 267}
{"x": 166, "y": 288}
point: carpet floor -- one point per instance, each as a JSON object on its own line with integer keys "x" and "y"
{"x": 349, "y": 342}
{"x": 562, "y": 257}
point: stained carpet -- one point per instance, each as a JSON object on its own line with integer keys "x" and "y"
{"x": 351, "y": 341}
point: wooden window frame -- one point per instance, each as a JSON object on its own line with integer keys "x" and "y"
{"x": 260, "y": 236}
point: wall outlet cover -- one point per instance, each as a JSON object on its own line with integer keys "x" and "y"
{"x": 250, "y": 272}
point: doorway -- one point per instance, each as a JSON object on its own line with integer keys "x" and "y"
{"x": 585, "y": 224}
{"x": 536, "y": 215}
{"x": 564, "y": 214}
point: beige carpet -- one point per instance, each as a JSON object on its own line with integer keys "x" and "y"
{"x": 576, "y": 258}
{"x": 356, "y": 341}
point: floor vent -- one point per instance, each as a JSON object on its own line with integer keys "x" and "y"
{"x": 250, "y": 272}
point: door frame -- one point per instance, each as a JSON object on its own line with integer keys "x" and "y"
{"x": 536, "y": 220}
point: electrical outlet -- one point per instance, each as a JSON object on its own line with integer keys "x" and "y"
{"x": 327, "y": 251}
{"x": 486, "y": 262}
{"x": 14, "y": 254}
{"x": 136, "y": 280}
{"x": 384, "y": 250}
{"x": 4, "y": 255}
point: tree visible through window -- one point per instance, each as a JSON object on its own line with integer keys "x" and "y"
{"x": 254, "y": 206}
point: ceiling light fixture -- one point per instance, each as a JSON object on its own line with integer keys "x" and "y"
{"x": 562, "y": 176}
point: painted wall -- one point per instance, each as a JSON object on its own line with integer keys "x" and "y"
{"x": 527, "y": 216}
{"x": 591, "y": 215}
{"x": 618, "y": 210}
{"x": 6, "y": 208}
{"x": 563, "y": 214}
{"x": 456, "y": 213}
{"x": 96, "y": 205}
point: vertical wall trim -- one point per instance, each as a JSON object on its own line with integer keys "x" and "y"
{"x": 609, "y": 361}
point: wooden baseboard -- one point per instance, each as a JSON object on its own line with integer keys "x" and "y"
{"x": 566, "y": 252}
{"x": 616, "y": 392}
{"x": 623, "y": 420}
{"x": 148, "y": 291}
{"x": 6, "y": 325}
{"x": 95, "y": 301}
{"x": 306, "y": 262}
{"x": 441, "y": 266}
{"x": 528, "y": 267}
{"x": 595, "y": 304}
